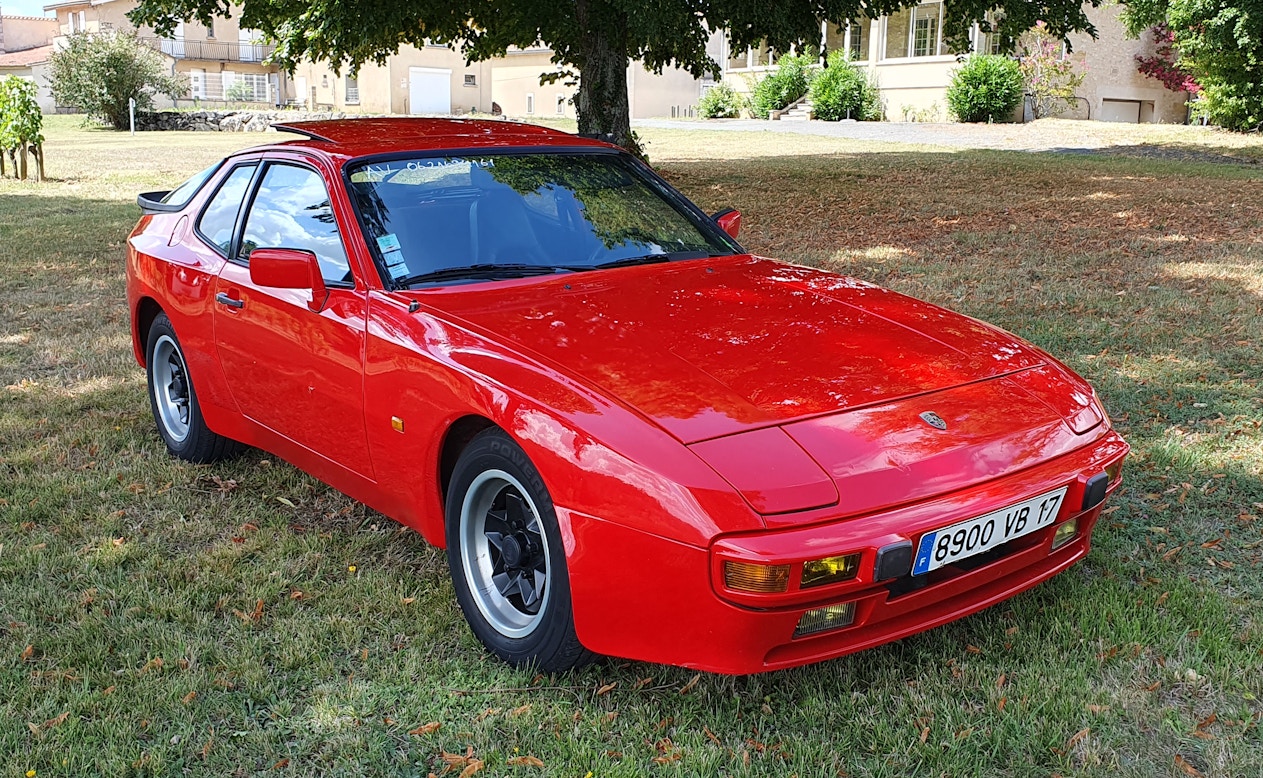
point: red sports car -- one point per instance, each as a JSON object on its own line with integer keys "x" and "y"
{"x": 632, "y": 437}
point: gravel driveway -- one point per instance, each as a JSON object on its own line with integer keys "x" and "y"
{"x": 1178, "y": 142}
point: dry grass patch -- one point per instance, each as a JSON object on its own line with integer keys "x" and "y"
{"x": 157, "y": 618}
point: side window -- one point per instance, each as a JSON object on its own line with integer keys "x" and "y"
{"x": 220, "y": 216}
{"x": 291, "y": 211}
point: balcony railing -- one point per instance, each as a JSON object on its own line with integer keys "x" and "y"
{"x": 213, "y": 51}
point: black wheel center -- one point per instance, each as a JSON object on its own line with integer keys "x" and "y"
{"x": 511, "y": 551}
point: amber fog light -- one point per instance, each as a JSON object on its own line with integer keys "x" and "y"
{"x": 834, "y": 569}
{"x": 750, "y": 577}
{"x": 1065, "y": 533}
{"x": 824, "y": 619}
{"x": 1114, "y": 471}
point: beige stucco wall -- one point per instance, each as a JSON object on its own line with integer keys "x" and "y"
{"x": 385, "y": 88}
{"x": 27, "y": 32}
{"x": 39, "y": 73}
{"x": 517, "y": 75}
{"x": 1110, "y": 67}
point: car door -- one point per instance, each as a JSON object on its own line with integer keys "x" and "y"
{"x": 296, "y": 371}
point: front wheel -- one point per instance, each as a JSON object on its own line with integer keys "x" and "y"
{"x": 506, "y": 558}
{"x": 174, "y": 403}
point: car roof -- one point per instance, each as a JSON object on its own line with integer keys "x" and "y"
{"x": 348, "y": 138}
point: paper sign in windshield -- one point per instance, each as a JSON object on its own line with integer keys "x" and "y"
{"x": 392, "y": 254}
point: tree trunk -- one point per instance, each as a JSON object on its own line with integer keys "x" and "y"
{"x": 39, "y": 162}
{"x": 602, "y": 104}
{"x": 22, "y": 161}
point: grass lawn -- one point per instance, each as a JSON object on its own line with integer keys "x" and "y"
{"x": 158, "y": 618}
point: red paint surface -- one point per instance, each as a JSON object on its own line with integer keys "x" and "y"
{"x": 680, "y": 414}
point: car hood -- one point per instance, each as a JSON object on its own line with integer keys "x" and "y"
{"x": 708, "y": 348}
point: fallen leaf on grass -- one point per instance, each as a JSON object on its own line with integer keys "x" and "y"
{"x": 409, "y": 600}
{"x": 1206, "y": 722}
{"x": 284, "y": 501}
{"x": 606, "y": 689}
{"x": 668, "y": 758}
{"x": 1000, "y": 703}
{"x": 525, "y": 761}
{"x": 607, "y": 718}
{"x": 282, "y": 764}
{"x": 999, "y": 682}
{"x": 925, "y": 734}
{"x": 153, "y": 664}
{"x": 642, "y": 683}
{"x": 1098, "y": 709}
{"x": 1076, "y": 737}
{"x": 186, "y": 699}
{"x": 521, "y": 709}
{"x": 425, "y": 729}
{"x": 710, "y": 735}
{"x": 108, "y": 691}
{"x": 1189, "y": 769}
{"x": 27, "y": 653}
{"x": 474, "y": 766}
{"x": 56, "y": 721}
{"x": 688, "y": 687}
{"x": 973, "y": 649}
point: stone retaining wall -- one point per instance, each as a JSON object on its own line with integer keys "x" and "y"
{"x": 225, "y": 121}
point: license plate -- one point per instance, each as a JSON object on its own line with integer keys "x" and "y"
{"x": 977, "y": 536}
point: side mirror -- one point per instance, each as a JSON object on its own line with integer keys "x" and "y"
{"x": 289, "y": 269}
{"x": 729, "y": 220}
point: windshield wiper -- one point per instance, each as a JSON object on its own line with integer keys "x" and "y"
{"x": 482, "y": 271}
{"x": 649, "y": 259}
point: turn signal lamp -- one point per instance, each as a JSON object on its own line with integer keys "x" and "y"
{"x": 1065, "y": 533}
{"x": 751, "y": 577}
{"x": 834, "y": 569}
{"x": 1114, "y": 471}
{"x": 824, "y": 619}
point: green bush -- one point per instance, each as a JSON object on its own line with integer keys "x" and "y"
{"x": 783, "y": 86}
{"x": 987, "y": 88}
{"x": 843, "y": 91}
{"x": 98, "y": 73}
{"x": 720, "y": 102}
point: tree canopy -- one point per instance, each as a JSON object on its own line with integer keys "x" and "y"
{"x": 592, "y": 40}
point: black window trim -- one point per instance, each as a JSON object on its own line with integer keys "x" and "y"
{"x": 252, "y": 192}
{"x": 703, "y": 221}
{"x": 257, "y": 163}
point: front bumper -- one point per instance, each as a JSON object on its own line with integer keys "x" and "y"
{"x": 645, "y": 597}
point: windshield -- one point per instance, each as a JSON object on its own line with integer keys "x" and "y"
{"x": 513, "y": 215}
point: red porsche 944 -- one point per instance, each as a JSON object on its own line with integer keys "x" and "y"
{"x": 632, "y": 437}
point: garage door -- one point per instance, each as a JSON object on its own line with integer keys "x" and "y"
{"x": 1120, "y": 111}
{"x": 429, "y": 90}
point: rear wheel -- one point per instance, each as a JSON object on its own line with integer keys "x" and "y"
{"x": 174, "y": 403}
{"x": 506, "y": 558}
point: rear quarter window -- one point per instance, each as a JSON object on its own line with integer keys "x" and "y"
{"x": 219, "y": 219}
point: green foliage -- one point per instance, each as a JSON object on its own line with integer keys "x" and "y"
{"x": 591, "y": 39}
{"x": 720, "y": 102}
{"x": 783, "y": 86}
{"x": 1051, "y": 80}
{"x": 1221, "y": 45}
{"x": 21, "y": 125}
{"x": 986, "y": 88}
{"x": 99, "y": 73}
{"x": 843, "y": 91}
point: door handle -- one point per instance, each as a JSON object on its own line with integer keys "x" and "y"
{"x": 223, "y": 298}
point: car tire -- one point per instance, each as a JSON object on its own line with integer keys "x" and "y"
{"x": 174, "y": 403}
{"x": 507, "y": 562}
